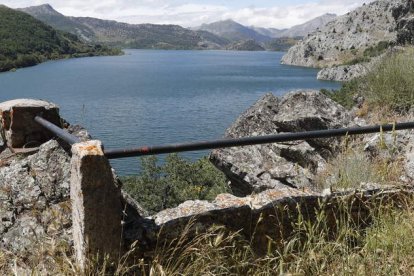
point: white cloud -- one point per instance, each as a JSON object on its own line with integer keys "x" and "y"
{"x": 187, "y": 14}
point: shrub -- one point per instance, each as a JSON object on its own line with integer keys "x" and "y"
{"x": 177, "y": 180}
{"x": 345, "y": 95}
{"x": 377, "y": 50}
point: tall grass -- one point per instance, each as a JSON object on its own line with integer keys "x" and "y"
{"x": 392, "y": 83}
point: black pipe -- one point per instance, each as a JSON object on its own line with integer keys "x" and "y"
{"x": 225, "y": 143}
{"x": 65, "y": 136}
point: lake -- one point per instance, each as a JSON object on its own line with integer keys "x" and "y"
{"x": 149, "y": 97}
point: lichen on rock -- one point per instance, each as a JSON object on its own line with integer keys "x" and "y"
{"x": 293, "y": 164}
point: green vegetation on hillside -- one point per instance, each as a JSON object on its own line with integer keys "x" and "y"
{"x": 370, "y": 52}
{"x": 26, "y": 41}
{"x": 177, "y": 180}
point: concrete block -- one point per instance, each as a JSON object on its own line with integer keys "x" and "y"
{"x": 19, "y": 130}
{"x": 96, "y": 205}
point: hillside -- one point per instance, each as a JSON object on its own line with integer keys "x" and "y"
{"x": 309, "y": 26}
{"x": 301, "y": 30}
{"x": 50, "y": 16}
{"x": 147, "y": 36}
{"x": 26, "y": 41}
{"x": 247, "y": 45}
{"x": 345, "y": 39}
{"x": 233, "y": 31}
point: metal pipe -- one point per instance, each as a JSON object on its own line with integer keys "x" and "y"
{"x": 225, "y": 143}
{"x": 65, "y": 136}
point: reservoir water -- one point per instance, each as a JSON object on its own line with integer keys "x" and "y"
{"x": 155, "y": 97}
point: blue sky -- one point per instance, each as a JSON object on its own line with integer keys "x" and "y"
{"x": 261, "y": 13}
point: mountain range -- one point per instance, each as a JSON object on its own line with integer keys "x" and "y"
{"x": 226, "y": 34}
{"x": 235, "y": 31}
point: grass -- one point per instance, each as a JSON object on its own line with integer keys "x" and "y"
{"x": 314, "y": 248}
{"x": 392, "y": 83}
{"x": 389, "y": 86}
{"x": 380, "y": 164}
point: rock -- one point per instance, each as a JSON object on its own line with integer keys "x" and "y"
{"x": 28, "y": 188}
{"x": 269, "y": 215}
{"x": 294, "y": 164}
{"x": 409, "y": 157}
{"x": 35, "y": 205}
{"x": 343, "y": 73}
{"x": 346, "y": 37}
{"x": 18, "y": 127}
{"x": 406, "y": 30}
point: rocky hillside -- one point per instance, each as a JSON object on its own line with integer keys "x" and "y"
{"x": 26, "y": 41}
{"x": 125, "y": 35}
{"x": 298, "y": 30}
{"x": 345, "y": 39}
{"x": 50, "y": 16}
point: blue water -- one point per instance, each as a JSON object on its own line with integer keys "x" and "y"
{"x": 154, "y": 97}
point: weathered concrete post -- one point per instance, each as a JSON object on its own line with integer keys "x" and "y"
{"x": 96, "y": 205}
{"x": 18, "y": 128}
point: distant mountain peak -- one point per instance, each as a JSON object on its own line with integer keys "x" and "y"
{"x": 45, "y": 9}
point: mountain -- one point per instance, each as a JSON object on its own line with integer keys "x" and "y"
{"x": 355, "y": 36}
{"x": 128, "y": 35}
{"x": 269, "y": 38}
{"x": 50, "y": 16}
{"x": 226, "y": 34}
{"x": 270, "y": 32}
{"x": 308, "y": 27}
{"x": 26, "y": 41}
{"x": 233, "y": 31}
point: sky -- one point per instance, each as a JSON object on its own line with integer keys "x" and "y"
{"x": 261, "y": 13}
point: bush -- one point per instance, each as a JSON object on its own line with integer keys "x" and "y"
{"x": 345, "y": 95}
{"x": 377, "y": 50}
{"x": 177, "y": 180}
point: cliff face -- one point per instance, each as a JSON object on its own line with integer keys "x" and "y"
{"x": 347, "y": 37}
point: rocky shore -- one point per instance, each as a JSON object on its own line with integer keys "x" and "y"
{"x": 347, "y": 39}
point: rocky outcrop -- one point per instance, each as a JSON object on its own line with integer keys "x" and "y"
{"x": 34, "y": 195}
{"x": 260, "y": 167}
{"x": 404, "y": 14}
{"x": 349, "y": 72}
{"x": 343, "y": 73}
{"x": 346, "y": 38}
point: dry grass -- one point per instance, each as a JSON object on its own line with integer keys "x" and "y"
{"x": 384, "y": 248}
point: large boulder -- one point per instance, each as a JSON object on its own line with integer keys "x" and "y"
{"x": 293, "y": 164}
